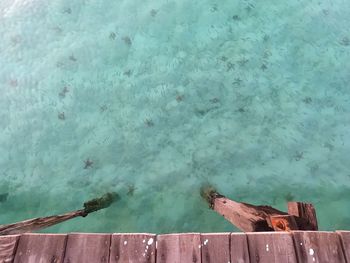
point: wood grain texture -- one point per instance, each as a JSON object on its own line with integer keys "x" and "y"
{"x": 83, "y": 248}
{"x": 8, "y": 246}
{"x": 40, "y": 248}
{"x": 271, "y": 247}
{"x": 246, "y": 217}
{"x": 35, "y": 224}
{"x": 345, "y": 239}
{"x": 239, "y": 248}
{"x": 179, "y": 248}
{"x": 306, "y": 214}
{"x": 215, "y": 247}
{"x": 318, "y": 247}
{"x": 133, "y": 248}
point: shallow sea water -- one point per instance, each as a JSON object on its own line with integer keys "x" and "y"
{"x": 164, "y": 96}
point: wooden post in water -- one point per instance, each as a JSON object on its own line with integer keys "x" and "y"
{"x": 251, "y": 218}
{"x": 44, "y": 222}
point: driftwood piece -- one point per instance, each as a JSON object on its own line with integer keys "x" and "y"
{"x": 306, "y": 215}
{"x": 44, "y": 222}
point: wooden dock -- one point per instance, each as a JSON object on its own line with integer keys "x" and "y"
{"x": 269, "y": 247}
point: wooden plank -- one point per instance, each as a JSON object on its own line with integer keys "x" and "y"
{"x": 239, "y": 248}
{"x": 306, "y": 213}
{"x": 135, "y": 248}
{"x": 40, "y": 248}
{"x": 345, "y": 239}
{"x": 8, "y": 246}
{"x": 179, "y": 248}
{"x": 83, "y": 248}
{"x": 318, "y": 247}
{"x": 271, "y": 247}
{"x": 215, "y": 247}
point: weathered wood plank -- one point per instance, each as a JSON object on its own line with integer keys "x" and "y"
{"x": 8, "y": 246}
{"x": 134, "y": 248}
{"x": 40, "y": 248}
{"x": 215, "y": 247}
{"x": 318, "y": 247}
{"x": 306, "y": 214}
{"x": 239, "y": 248}
{"x": 83, "y": 248}
{"x": 178, "y": 248}
{"x": 246, "y": 217}
{"x": 345, "y": 239}
{"x": 271, "y": 247}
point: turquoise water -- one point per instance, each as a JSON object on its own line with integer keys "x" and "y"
{"x": 163, "y": 96}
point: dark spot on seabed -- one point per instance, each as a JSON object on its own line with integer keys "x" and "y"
{"x": 266, "y": 37}
{"x": 112, "y": 36}
{"x": 223, "y": 58}
{"x": 127, "y": 40}
{"x": 237, "y": 81}
{"x": 214, "y": 8}
{"x": 128, "y": 72}
{"x": 67, "y": 10}
{"x": 289, "y": 197}
{"x": 345, "y": 41}
{"x": 243, "y": 61}
{"x": 63, "y": 92}
{"x": 241, "y": 110}
{"x": 61, "y": 116}
{"x": 3, "y": 197}
{"x": 307, "y": 100}
{"x": 214, "y": 100}
{"x": 88, "y": 163}
{"x": 179, "y": 98}
{"x": 263, "y": 67}
{"x": 298, "y": 156}
{"x": 72, "y": 58}
{"x": 236, "y": 18}
{"x": 149, "y": 122}
{"x": 103, "y": 108}
{"x": 153, "y": 12}
{"x": 131, "y": 190}
{"x": 230, "y": 66}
